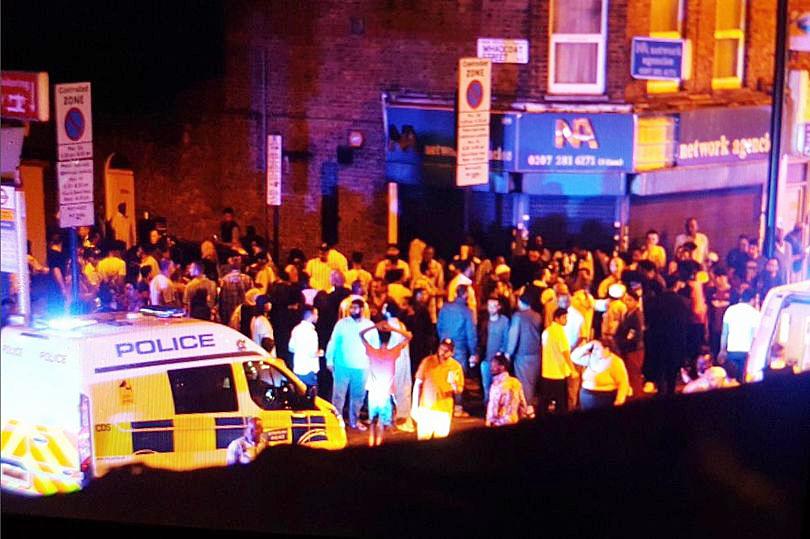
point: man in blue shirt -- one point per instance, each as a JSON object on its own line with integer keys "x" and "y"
{"x": 524, "y": 348}
{"x": 456, "y": 323}
{"x": 346, "y": 358}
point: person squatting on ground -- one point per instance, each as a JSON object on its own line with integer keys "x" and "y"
{"x": 247, "y": 447}
{"x": 507, "y": 403}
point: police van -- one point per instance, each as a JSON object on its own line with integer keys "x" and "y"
{"x": 782, "y": 340}
{"x": 95, "y": 392}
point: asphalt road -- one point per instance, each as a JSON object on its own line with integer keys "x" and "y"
{"x": 472, "y": 404}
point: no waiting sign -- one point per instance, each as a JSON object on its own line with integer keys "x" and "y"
{"x": 472, "y": 122}
{"x": 74, "y": 121}
{"x": 274, "y": 170}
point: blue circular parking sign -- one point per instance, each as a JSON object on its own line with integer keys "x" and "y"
{"x": 74, "y": 124}
{"x": 475, "y": 94}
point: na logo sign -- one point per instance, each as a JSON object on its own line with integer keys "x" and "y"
{"x": 580, "y": 131}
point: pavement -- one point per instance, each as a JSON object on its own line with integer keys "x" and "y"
{"x": 472, "y": 399}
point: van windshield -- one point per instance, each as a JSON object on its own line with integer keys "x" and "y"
{"x": 270, "y": 389}
{"x": 790, "y": 346}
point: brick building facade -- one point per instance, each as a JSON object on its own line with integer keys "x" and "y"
{"x": 315, "y": 71}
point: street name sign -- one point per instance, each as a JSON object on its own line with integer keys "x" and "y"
{"x": 504, "y": 51}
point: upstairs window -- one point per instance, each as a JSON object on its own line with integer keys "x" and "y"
{"x": 578, "y": 44}
{"x": 729, "y": 44}
{"x": 666, "y": 21}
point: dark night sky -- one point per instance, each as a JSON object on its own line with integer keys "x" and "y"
{"x": 137, "y": 53}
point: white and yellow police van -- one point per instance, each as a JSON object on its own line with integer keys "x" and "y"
{"x": 115, "y": 389}
{"x": 783, "y": 336}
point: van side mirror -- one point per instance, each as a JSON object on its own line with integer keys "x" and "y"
{"x": 312, "y": 393}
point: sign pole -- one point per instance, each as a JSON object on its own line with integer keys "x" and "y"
{"x": 276, "y": 235}
{"x": 778, "y": 102}
{"x": 74, "y": 270}
{"x": 74, "y": 169}
{"x": 273, "y": 189}
{"x": 24, "y": 294}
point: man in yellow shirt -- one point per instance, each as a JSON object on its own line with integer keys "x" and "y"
{"x": 112, "y": 266}
{"x": 556, "y": 364}
{"x": 654, "y": 252}
{"x": 438, "y": 379}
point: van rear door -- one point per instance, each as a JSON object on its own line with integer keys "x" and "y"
{"x": 40, "y": 397}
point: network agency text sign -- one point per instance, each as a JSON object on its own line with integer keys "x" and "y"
{"x": 723, "y": 135}
{"x": 660, "y": 59}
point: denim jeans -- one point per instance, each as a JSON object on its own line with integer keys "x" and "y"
{"x": 591, "y": 400}
{"x": 310, "y": 378}
{"x": 462, "y": 359}
{"x": 353, "y": 381}
{"x": 486, "y": 379}
{"x": 527, "y": 370}
{"x": 402, "y": 383}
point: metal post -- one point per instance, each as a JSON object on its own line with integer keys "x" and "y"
{"x": 264, "y": 142}
{"x": 276, "y": 226}
{"x": 20, "y": 220}
{"x": 777, "y": 107}
{"x": 74, "y": 270}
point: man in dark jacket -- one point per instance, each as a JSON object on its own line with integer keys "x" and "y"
{"x": 523, "y": 347}
{"x": 629, "y": 340}
{"x": 456, "y": 323}
{"x": 667, "y": 316}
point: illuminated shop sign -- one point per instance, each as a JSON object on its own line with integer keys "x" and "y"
{"x": 723, "y": 135}
{"x": 575, "y": 142}
{"x": 420, "y": 143}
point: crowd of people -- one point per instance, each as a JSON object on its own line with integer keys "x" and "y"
{"x": 539, "y": 331}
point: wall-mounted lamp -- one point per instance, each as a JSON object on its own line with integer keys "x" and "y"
{"x": 356, "y": 139}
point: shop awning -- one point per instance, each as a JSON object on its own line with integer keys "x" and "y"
{"x": 699, "y": 178}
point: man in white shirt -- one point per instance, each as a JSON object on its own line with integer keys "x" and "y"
{"x": 740, "y": 324}
{"x": 573, "y": 331}
{"x": 698, "y": 238}
{"x": 161, "y": 290}
{"x": 304, "y": 346}
{"x": 122, "y": 227}
{"x": 261, "y": 332}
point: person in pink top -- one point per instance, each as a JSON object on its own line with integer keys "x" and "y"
{"x": 381, "y": 368}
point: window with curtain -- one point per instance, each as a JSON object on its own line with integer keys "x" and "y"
{"x": 666, "y": 21}
{"x": 729, "y": 44}
{"x": 578, "y": 36}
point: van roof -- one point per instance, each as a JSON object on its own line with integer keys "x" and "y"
{"x": 115, "y": 342}
{"x": 108, "y": 324}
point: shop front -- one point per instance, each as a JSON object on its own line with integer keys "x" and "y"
{"x": 562, "y": 174}
{"x": 720, "y": 167}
